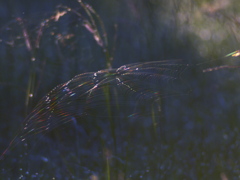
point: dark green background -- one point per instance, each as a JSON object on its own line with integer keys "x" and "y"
{"x": 201, "y": 127}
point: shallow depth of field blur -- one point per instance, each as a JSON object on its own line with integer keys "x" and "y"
{"x": 192, "y": 133}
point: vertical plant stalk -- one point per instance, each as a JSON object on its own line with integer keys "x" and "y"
{"x": 107, "y": 155}
{"x": 100, "y": 38}
{"x": 108, "y": 168}
{"x": 162, "y": 120}
{"x": 106, "y": 91}
{"x": 99, "y": 34}
{"x": 154, "y": 122}
{"x": 32, "y": 47}
{"x": 32, "y": 74}
{"x": 156, "y": 110}
{"x": 102, "y": 41}
{"x": 31, "y": 85}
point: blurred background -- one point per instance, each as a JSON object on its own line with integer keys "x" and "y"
{"x": 46, "y": 43}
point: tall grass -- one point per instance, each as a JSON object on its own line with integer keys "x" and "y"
{"x": 129, "y": 126}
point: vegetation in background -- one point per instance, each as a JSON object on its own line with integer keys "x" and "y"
{"x": 135, "y": 129}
